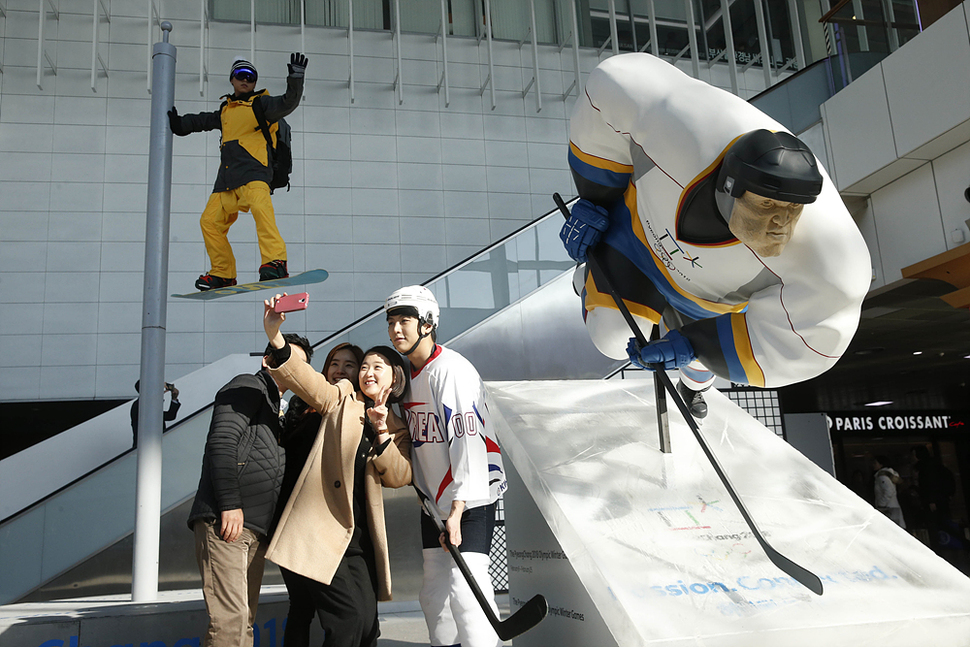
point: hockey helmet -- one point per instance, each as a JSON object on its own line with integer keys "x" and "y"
{"x": 774, "y": 165}
{"x": 418, "y": 298}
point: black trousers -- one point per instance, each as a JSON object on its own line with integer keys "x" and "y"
{"x": 346, "y": 608}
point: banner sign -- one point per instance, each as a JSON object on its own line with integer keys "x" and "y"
{"x": 898, "y": 421}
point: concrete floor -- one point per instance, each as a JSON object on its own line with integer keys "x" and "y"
{"x": 403, "y": 625}
{"x": 109, "y": 620}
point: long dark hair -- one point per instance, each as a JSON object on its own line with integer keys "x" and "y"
{"x": 353, "y": 348}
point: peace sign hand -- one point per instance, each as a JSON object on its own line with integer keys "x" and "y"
{"x": 378, "y": 413}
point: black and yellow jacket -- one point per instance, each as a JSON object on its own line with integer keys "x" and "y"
{"x": 245, "y": 154}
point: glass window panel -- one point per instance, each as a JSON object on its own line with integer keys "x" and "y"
{"x": 465, "y": 17}
{"x": 329, "y": 13}
{"x": 421, "y": 16}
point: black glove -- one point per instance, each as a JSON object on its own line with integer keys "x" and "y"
{"x": 175, "y": 123}
{"x": 297, "y": 65}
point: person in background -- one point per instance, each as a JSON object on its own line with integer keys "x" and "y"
{"x": 167, "y": 416}
{"x": 935, "y": 484}
{"x": 885, "y": 499}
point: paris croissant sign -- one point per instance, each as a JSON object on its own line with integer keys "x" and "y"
{"x": 899, "y": 421}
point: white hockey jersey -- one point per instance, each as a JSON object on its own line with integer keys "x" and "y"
{"x": 645, "y": 128}
{"x": 455, "y": 453}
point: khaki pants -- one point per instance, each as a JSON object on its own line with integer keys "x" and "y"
{"x": 221, "y": 212}
{"x": 231, "y": 576}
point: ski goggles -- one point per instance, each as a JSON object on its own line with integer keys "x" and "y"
{"x": 245, "y": 75}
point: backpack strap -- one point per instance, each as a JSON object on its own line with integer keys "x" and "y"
{"x": 263, "y": 126}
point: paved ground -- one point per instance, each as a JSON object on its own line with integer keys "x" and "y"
{"x": 403, "y": 625}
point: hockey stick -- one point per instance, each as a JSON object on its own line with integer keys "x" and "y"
{"x": 531, "y": 613}
{"x": 805, "y": 577}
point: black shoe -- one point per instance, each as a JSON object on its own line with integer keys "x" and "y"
{"x": 694, "y": 399}
{"x": 273, "y": 270}
{"x": 208, "y": 282}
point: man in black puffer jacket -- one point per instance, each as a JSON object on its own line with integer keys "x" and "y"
{"x": 241, "y": 473}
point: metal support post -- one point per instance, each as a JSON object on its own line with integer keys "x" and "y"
{"x": 759, "y": 16}
{"x": 695, "y": 64}
{"x": 729, "y": 56}
{"x": 148, "y": 488}
{"x": 613, "y": 34}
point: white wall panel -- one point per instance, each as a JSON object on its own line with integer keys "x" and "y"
{"x": 507, "y": 179}
{"x": 466, "y": 204}
{"x": 74, "y": 226}
{"x": 81, "y": 167}
{"x": 426, "y": 177}
{"x": 24, "y": 226}
{"x": 70, "y": 287}
{"x": 474, "y": 231}
{"x": 21, "y": 350}
{"x": 118, "y": 349}
{"x": 21, "y": 137}
{"x": 427, "y": 150}
{"x": 907, "y": 220}
{"x": 922, "y": 103}
{"x": 26, "y": 167}
{"x": 375, "y": 229}
{"x": 422, "y": 231}
{"x": 15, "y": 284}
{"x": 373, "y": 148}
{"x": 860, "y": 129}
{"x": 952, "y": 175}
{"x": 458, "y": 177}
{"x": 69, "y": 350}
{"x": 421, "y": 203}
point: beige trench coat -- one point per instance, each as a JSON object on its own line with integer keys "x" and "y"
{"x": 317, "y": 522}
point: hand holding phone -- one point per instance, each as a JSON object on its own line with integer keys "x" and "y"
{"x": 292, "y": 302}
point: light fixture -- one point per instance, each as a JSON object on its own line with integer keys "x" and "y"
{"x": 918, "y": 352}
{"x": 878, "y": 403}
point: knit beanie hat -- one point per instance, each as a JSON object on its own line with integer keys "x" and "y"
{"x": 240, "y": 64}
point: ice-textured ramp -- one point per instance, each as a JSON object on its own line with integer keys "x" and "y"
{"x": 665, "y": 556}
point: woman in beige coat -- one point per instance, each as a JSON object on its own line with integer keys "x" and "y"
{"x": 331, "y": 532}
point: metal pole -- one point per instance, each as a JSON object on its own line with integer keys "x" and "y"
{"x": 613, "y": 34}
{"x": 759, "y": 15}
{"x": 692, "y": 38}
{"x": 729, "y": 45}
{"x": 796, "y": 30}
{"x": 148, "y": 490}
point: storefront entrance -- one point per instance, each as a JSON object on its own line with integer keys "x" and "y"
{"x": 932, "y": 492}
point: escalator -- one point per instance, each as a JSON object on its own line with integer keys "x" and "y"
{"x": 68, "y": 504}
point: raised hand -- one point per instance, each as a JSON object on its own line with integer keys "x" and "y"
{"x": 297, "y": 65}
{"x": 272, "y": 321}
{"x": 378, "y": 413}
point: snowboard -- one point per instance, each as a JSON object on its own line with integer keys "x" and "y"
{"x": 311, "y": 276}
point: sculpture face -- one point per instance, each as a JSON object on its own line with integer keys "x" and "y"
{"x": 764, "y": 224}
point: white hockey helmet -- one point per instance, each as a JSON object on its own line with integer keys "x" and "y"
{"x": 417, "y": 297}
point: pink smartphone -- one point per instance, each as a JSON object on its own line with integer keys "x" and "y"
{"x": 292, "y": 302}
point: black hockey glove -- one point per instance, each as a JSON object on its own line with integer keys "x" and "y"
{"x": 175, "y": 123}
{"x": 297, "y": 65}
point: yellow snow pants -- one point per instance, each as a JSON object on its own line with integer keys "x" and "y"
{"x": 221, "y": 212}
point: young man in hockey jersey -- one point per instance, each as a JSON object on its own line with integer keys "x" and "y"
{"x": 713, "y": 221}
{"x": 456, "y": 463}
{"x": 245, "y": 169}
